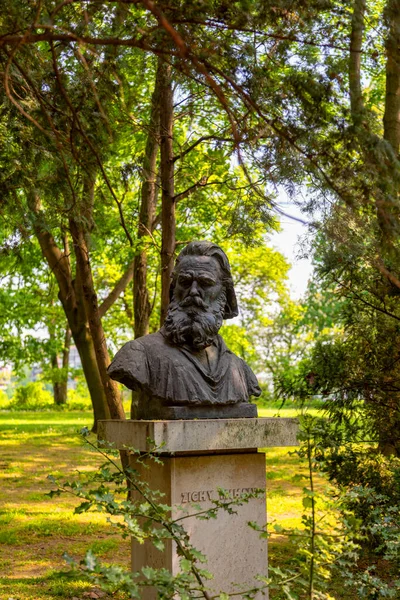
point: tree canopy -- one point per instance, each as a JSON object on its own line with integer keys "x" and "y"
{"x": 130, "y": 128}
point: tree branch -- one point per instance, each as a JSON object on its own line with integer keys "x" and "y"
{"x": 202, "y": 139}
{"x": 280, "y": 130}
{"x": 52, "y": 36}
{"x": 201, "y": 66}
{"x": 56, "y": 259}
{"x": 116, "y": 291}
{"x": 365, "y": 302}
{"x": 219, "y": 26}
{"x": 378, "y": 263}
{"x": 201, "y": 183}
{"x": 81, "y": 130}
{"x": 157, "y": 219}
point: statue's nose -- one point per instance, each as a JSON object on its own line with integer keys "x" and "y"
{"x": 194, "y": 290}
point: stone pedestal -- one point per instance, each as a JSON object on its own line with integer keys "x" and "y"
{"x": 200, "y": 456}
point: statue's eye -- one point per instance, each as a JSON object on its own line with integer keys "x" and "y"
{"x": 206, "y": 282}
{"x": 185, "y": 280}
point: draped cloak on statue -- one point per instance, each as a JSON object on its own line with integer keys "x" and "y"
{"x": 174, "y": 374}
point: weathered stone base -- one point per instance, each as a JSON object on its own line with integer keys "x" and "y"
{"x": 171, "y": 413}
{"x": 200, "y": 436}
{"x": 235, "y": 552}
{"x": 200, "y": 456}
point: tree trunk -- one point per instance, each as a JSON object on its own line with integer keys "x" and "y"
{"x": 391, "y": 119}
{"x": 388, "y": 427}
{"x": 85, "y": 280}
{"x": 141, "y": 302}
{"x": 59, "y": 393}
{"x": 65, "y": 365}
{"x": 71, "y": 297}
{"x": 55, "y": 367}
{"x": 167, "y": 185}
{"x": 60, "y": 382}
{"x": 81, "y": 335}
{"x": 57, "y": 390}
{"x": 356, "y": 37}
{"x": 84, "y": 345}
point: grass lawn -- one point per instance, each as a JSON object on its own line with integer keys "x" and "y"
{"x": 35, "y": 530}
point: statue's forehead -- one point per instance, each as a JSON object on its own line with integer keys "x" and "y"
{"x": 199, "y": 263}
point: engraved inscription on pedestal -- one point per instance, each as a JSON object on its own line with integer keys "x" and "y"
{"x": 191, "y": 475}
{"x": 234, "y": 551}
{"x": 209, "y": 495}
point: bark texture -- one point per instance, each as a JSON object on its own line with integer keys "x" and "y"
{"x": 356, "y": 38}
{"x": 91, "y": 307}
{"x": 148, "y": 200}
{"x": 72, "y": 296}
{"x": 391, "y": 119}
{"x": 389, "y": 426}
{"x": 167, "y": 186}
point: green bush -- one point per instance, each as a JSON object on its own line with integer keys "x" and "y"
{"x": 354, "y": 466}
{"x": 367, "y": 501}
{"x": 370, "y": 489}
{"x": 270, "y": 400}
{"x": 4, "y": 400}
{"x": 76, "y": 401}
{"x": 31, "y": 396}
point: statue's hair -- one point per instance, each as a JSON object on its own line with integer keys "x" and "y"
{"x": 209, "y": 249}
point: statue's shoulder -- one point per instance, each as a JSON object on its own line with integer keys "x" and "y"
{"x": 133, "y": 362}
{"x": 153, "y": 339}
{"x": 242, "y": 366}
{"x": 144, "y": 344}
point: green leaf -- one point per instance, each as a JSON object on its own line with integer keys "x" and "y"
{"x": 185, "y": 565}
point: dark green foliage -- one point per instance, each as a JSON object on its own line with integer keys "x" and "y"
{"x": 359, "y": 466}
{"x": 366, "y": 507}
{"x": 372, "y": 489}
{"x": 353, "y": 365}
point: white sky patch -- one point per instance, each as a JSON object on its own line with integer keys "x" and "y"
{"x": 287, "y": 241}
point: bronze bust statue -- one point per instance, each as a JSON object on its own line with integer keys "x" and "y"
{"x": 185, "y": 370}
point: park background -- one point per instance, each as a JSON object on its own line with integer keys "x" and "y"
{"x": 129, "y": 129}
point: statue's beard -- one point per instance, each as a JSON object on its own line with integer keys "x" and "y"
{"x": 193, "y": 323}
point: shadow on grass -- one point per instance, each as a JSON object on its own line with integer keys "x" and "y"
{"x": 22, "y": 531}
{"x": 57, "y": 584}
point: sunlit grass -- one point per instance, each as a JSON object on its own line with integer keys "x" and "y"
{"x": 286, "y": 412}
{"x": 52, "y": 585}
{"x": 35, "y": 530}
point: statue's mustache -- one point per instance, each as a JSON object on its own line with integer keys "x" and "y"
{"x": 193, "y": 301}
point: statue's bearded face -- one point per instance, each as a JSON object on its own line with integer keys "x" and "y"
{"x": 195, "y": 314}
